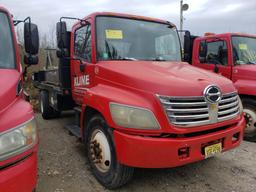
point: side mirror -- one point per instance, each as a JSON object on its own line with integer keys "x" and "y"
{"x": 62, "y": 37}
{"x": 202, "y": 51}
{"x": 31, "y": 38}
{"x": 187, "y": 47}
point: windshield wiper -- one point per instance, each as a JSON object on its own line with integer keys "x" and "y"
{"x": 252, "y": 62}
{"x": 112, "y": 52}
{"x": 127, "y": 59}
{"x": 159, "y": 58}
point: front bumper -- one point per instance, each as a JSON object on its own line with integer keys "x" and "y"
{"x": 20, "y": 177}
{"x": 149, "y": 152}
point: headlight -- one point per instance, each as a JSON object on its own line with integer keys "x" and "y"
{"x": 240, "y": 105}
{"x": 133, "y": 117}
{"x": 18, "y": 140}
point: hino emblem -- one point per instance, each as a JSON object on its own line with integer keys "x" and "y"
{"x": 212, "y": 94}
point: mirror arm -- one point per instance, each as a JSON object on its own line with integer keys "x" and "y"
{"x": 82, "y": 21}
{"x": 71, "y": 18}
{"x": 17, "y": 22}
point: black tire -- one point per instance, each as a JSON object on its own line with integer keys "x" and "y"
{"x": 47, "y": 111}
{"x": 117, "y": 174}
{"x": 249, "y": 106}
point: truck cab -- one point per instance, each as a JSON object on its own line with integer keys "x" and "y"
{"x": 232, "y": 55}
{"x": 136, "y": 103}
{"x": 18, "y": 134}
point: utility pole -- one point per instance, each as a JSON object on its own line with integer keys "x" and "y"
{"x": 183, "y": 7}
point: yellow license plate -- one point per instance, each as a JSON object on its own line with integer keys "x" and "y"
{"x": 212, "y": 150}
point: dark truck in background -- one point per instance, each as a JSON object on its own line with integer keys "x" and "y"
{"x": 232, "y": 55}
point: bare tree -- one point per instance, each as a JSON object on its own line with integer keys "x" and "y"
{"x": 43, "y": 40}
{"x": 20, "y": 35}
{"x": 52, "y": 36}
{"x": 48, "y": 39}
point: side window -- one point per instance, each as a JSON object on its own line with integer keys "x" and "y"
{"x": 217, "y": 53}
{"x": 83, "y": 43}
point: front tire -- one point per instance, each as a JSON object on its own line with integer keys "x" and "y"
{"x": 47, "y": 111}
{"x": 102, "y": 155}
{"x": 250, "y": 117}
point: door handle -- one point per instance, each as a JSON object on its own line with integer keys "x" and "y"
{"x": 82, "y": 67}
{"x": 235, "y": 71}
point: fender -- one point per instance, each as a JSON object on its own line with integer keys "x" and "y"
{"x": 246, "y": 87}
{"x": 16, "y": 113}
{"x": 100, "y": 96}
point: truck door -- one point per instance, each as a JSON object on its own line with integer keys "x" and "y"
{"x": 217, "y": 59}
{"x": 81, "y": 70}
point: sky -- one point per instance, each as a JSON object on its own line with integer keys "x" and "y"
{"x": 202, "y": 16}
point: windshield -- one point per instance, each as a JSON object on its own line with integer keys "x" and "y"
{"x": 244, "y": 50}
{"x": 7, "y": 58}
{"x": 129, "y": 39}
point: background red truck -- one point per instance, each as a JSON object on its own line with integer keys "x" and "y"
{"x": 18, "y": 134}
{"x": 136, "y": 104}
{"x": 232, "y": 55}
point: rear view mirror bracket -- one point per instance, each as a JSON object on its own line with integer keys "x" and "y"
{"x": 82, "y": 21}
{"x": 17, "y": 22}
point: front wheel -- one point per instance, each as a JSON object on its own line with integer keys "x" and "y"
{"x": 250, "y": 117}
{"x": 102, "y": 156}
{"x": 47, "y": 111}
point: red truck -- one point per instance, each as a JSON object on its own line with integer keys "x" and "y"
{"x": 136, "y": 103}
{"x": 18, "y": 134}
{"x": 232, "y": 55}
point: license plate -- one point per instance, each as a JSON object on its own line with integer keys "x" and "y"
{"x": 212, "y": 150}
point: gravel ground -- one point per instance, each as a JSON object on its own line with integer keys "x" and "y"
{"x": 63, "y": 167}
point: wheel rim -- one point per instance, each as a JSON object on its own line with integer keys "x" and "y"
{"x": 41, "y": 106}
{"x": 250, "y": 117}
{"x": 100, "y": 151}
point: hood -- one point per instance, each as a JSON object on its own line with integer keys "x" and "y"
{"x": 8, "y": 84}
{"x": 163, "y": 78}
{"x": 246, "y": 72}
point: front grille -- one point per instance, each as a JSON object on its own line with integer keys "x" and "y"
{"x": 195, "y": 111}
{"x": 228, "y": 106}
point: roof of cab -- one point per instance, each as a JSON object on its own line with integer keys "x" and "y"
{"x": 221, "y": 35}
{"x": 4, "y": 9}
{"x": 95, "y": 14}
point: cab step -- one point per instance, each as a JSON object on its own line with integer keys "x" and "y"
{"x": 74, "y": 130}
{"x": 78, "y": 109}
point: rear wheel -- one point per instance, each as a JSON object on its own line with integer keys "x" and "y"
{"x": 47, "y": 111}
{"x": 250, "y": 117}
{"x": 102, "y": 156}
